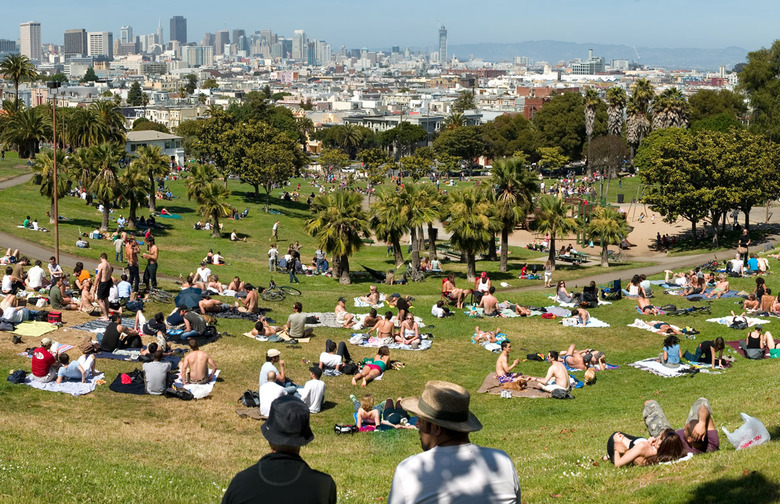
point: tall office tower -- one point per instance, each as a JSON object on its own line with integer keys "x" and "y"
{"x": 126, "y": 35}
{"x": 324, "y": 53}
{"x": 268, "y": 36}
{"x": 442, "y": 46}
{"x": 179, "y": 29}
{"x": 75, "y": 42}
{"x": 299, "y": 45}
{"x": 208, "y": 40}
{"x": 198, "y": 55}
{"x": 30, "y": 39}
{"x": 311, "y": 53}
{"x": 221, "y": 38}
{"x": 100, "y": 44}
{"x": 159, "y": 32}
{"x": 240, "y": 45}
{"x": 7, "y": 46}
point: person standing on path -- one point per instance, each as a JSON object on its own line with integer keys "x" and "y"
{"x": 744, "y": 244}
{"x": 151, "y": 255}
{"x": 131, "y": 251}
{"x": 275, "y": 232}
{"x": 119, "y": 243}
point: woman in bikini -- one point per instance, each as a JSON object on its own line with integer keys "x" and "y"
{"x": 371, "y": 370}
{"x": 623, "y": 449}
{"x": 452, "y": 293}
{"x": 385, "y": 327}
{"x": 410, "y": 332}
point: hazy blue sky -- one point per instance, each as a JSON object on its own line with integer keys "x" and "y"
{"x": 358, "y": 23}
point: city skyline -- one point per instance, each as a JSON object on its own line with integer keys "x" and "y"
{"x": 640, "y": 23}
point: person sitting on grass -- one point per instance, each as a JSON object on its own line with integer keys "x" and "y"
{"x": 118, "y": 337}
{"x": 372, "y": 318}
{"x": 751, "y": 303}
{"x": 248, "y": 304}
{"x": 705, "y": 353}
{"x": 236, "y": 285}
{"x": 79, "y": 370}
{"x": 313, "y": 391}
{"x": 234, "y": 237}
{"x": 409, "y": 333}
{"x": 343, "y": 317}
{"x": 59, "y": 301}
{"x": 489, "y": 303}
{"x": 504, "y": 372}
{"x": 367, "y": 417}
{"x": 755, "y": 343}
{"x": 334, "y": 357}
{"x": 672, "y": 352}
{"x": 451, "y": 292}
{"x": 87, "y": 303}
{"x": 196, "y": 364}
{"x": 581, "y": 315}
{"x": 557, "y": 377}
{"x": 384, "y": 328}
{"x": 645, "y": 306}
{"x": 194, "y": 325}
{"x": 375, "y": 368}
{"x": 155, "y": 327}
{"x": 561, "y": 294}
{"x": 721, "y": 287}
{"x": 440, "y": 311}
{"x": 262, "y": 328}
{"x": 296, "y": 323}
{"x": 214, "y": 285}
{"x": 372, "y": 298}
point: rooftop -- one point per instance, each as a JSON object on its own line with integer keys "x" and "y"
{"x": 149, "y": 135}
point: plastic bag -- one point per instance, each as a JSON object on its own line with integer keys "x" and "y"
{"x": 751, "y": 433}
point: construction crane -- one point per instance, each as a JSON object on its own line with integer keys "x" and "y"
{"x": 638, "y": 57}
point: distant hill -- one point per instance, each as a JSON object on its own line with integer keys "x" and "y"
{"x": 553, "y": 51}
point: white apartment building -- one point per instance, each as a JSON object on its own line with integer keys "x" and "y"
{"x": 30, "y": 39}
{"x": 100, "y": 44}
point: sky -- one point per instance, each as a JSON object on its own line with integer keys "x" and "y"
{"x": 415, "y": 23}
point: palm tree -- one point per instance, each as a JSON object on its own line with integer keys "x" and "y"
{"x": 616, "y": 101}
{"x": 637, "y": 125}
{"x": 471, "y": 223}
{"x": 212, "y": 205}
{"x": 388, "y": 223}
{"x": 43, "y": 171}
{"x": 610, "y": 226}
{"x": 305, "y": 128}
{"x": 349, "y": 137}
{"x": 515, "y": 189}
{"x": 438, "y": 201}
{"x": 111, "y": 121}
{"x": 670, "y": 109}
{"x": 338, "y": 224}
{"x": 105, "y": 182}
{"x": 17, "y": 68}
{"x": 80, "y": 167}
{"x": 551, "y": 218}
{"x": 133, "y": 183}
{"x": 417, "y": 212}
{"x": 643, "y": 93}
{"x": 200, "y": 177}
{"x": 592, "y": 100}
{"x": 151, "y": 161}
{"x": 454, "y": 120}
{"x": 26, "y": 129}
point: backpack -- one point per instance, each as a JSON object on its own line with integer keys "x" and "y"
{"x": 739, "y": 324}
{"x": 210, "y": 332}
{"x": 349, "y": 368}
{"x": 6, "y": 325}
{"x": 18, "y": 376}
{"x": 669, "y": 308}
{"x": 561, "y": 394}
{"x": 183, "y": 394}
{"x": 250, "y": 399}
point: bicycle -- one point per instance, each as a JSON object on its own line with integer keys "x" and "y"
{"x": 160, "y": 295}
{"x": 278, "y": 293}
{"x": 618, "y": 256}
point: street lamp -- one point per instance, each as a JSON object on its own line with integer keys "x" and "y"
{"x": 53, "y": 86}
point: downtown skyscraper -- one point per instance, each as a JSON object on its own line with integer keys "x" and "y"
{"x": 179, "y": 29}
{"x": 30, "y": 39}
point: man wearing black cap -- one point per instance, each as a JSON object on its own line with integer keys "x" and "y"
{"x": 282, "y": 475}
{"x": 343, "y": 317}
{"x": 451, "y": 468}
{"x": 313, "y": 391}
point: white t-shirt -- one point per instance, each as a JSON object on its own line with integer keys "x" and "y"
{"x": 461, "y": 474}
{"x": 203, "y": 274}
{"x": 35, "y": 277}
{"x": 268, "y": 392}
{"x": 55, "y": 271}
{"x": 7, "y": 283}
{"x": 217, "y": 259}
{"x": 273, "y": 253}
{"x": 13, "y": 314}
{"x": 329, "y": 360}
{"x": 437, "y": 312}
{"x": 312, "y": 394}
{"x": 736, "y": 265}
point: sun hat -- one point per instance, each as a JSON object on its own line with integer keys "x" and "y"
{"x": 45, "y": 342}
{"x": 445, "y": 404}
{"x": 273, "y": 353}
{"x": 288, "y": 423}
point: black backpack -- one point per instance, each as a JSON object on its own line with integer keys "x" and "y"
{"x": 349, "y": 368}
{"x": 250, "y": 399}
{"x": 18, "y": 376}
{"x": 561, "y": 394}
{"x": 210, "y": 332}
{"x": 183, "y": 394}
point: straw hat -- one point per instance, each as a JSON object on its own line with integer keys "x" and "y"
{"x": 445, "y": 404}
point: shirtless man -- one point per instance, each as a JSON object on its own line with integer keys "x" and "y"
{"x": 373, "y": 296}
{"x": 721, "y": 287}
{"x": 103, "y": 283}
{"x": 489, "y": 302}
{"x": 645, "y": 307}
{"x": 263, "y": 329}
{"x": 449, "y": 290}
{"x": 583, "y": 359}
{"x": 151, "y": 255}
{"x": 503, "y": 369}
{"x": 582, "y": 316}
{"x": 557, "y": 377}
{"x": 131, "y": 253}
{"x": 208, "y": 305}
{"x": 248, "y": 304}
{"x": 195, "y": 366}
{"x": 87, "y": 299}
{"x": 236, "y": 285}
{"x": 486, "y": 335}
{"x": 343, "y": 317}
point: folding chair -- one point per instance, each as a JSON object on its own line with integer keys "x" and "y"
{"x": 611, "y": 290}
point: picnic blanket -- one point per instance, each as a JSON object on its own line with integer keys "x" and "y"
{"x": 492, "y": 386}
{"x": 199, "y": 391}
{"x": 34, "y": 329}
{"x": 98, "y": 326}
{"x": 575, "y": 322}
{"x": 653, "y": 366}
{"x": 73, "y": 388}
{"x": 476, "y": 312}
{"x": 359, "y": 339}
{"x": 362, "y": 304}
{"x": 253, "y": 413}
{"x": 735, "y": 345}
{"x": 609, "y": 367}
{"x": 170, "y": 216}
{"x": 648, "y": 326}
{"x": 487, "y": 345}
{"x": 751, "y": 321}
{"x": 134, "y": 387}
{"x": 280, "y": 337}
{"x": 558, "y": 311}
{"x": 55, "y": 349}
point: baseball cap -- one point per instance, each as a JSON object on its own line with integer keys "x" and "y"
{"x": 273, "y": 353}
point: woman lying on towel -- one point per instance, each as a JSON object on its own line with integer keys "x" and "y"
{"x": 623, "y": 449}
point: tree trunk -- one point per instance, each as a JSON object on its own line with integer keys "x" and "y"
{"x": 693, "y": 232}
{"x": 492, "y": 252}
{"x": 604, "y": 256}
{"x": 723, "y": 223}
{"x": 432, "y": 242}
{"x": 715, "y": 219}
{"x": 504, "y": 251}
{"x": 420, "y": 239}
{"x": 104, "y": 225}
{"x": 257, "y": 191}
{"x": 215, "y": 232}
{"x": 471, "y": 267}
{"x": 152, "y": 195}
{"x": 415, "y": 250}
{"x": 746, "y": 211}
{"x": 551, "y": 254}
{"x": 267, "y": 198}
{"x": 398, "y": 255}
{"x": 131, "y": 216}
{"x": 344, "y": 274}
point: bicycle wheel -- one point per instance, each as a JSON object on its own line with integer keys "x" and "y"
{"x": 272, "y": 295}
{"x": 290, "y": 291}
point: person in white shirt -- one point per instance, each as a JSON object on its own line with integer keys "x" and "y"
{"x": 36, "y": 276}
{"x": 203, "y": 273}
{"x": 313, "y": 391}
{"x": 737, "y": 265}
{"x": 269, "y": 391}
{"x": 273, "y": 256}
{"x": 55, "y": 270}
{"x": 439, "y": 310}
{"x": 332, "y": 358}
{"x": 451, "y": 469}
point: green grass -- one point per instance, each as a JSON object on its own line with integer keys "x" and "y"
{"x": 113, "y": 448}
{"x": 628, "y": 186}
{"x": 11, "y": 166}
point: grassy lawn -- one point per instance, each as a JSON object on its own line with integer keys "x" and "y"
{"x": 11, "y": 166}
{"x": 112, "y": 448}
{"x": 628, "y": 186}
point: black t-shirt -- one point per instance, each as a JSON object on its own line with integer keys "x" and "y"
{"x": 110, "y": 340}
{"x": 402, "y": 304}
{"x": 707, "y": 351}
{"x": 743, "y": 240}
{"x": 280, "y": 477}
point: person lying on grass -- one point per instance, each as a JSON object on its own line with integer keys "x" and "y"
{"x": 375, "y": 368}
{"x": 262, "y": 328}
{"x": 582, "y": 359}
{"x": 486, "y": 336}
{"x": 645, "y": 306}
{"x": 623, "y": 449}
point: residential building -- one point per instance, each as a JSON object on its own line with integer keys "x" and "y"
{"x": 7, "y": 46}
{"x": 197, "y": 56}
{"x": 442, "y": 46}
{"x": 30, "y": 39}
{"x": 171, "y": 145}
{"x": 179, "y": 29}
{"x": 590, "y": 67}
{"x": 100, "y": 44}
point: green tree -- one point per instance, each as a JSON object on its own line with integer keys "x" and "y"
{"x": 515, "y": 190}
{"x": 416, "y": 166}
{"x": 471, "y": 223}
{"x": 463, "y": 143}
{"x": 637, "y": 124}
{"x": 59, "y": 77}
{"x": 191, "y": 83}
{"x": 454, "y": 120}
{"x": 706, "y": 103}
{"x": 349, "y": 138}
{"x": 592, "y": 101}
{"x": 43, "y": 175}
{"x": 720, "y": 122}
{"x": 552, "y": 158}
{"x": 507, "y": 134}
{"x": 447, "y": 164}
{"x": 212, "y": 205}
{"x": 200, "y": 176}
{"x": 17, "y": 68}
{"x": 143, "y": 124}
{"x": 610, "y": 227}
{"x": 417, "y": 212}
{"x": 89, "y": 76}
{"x": 608, "y": 152}
{"x": 670, "y": 109}
{"x": 150, "y": 161}
{"x": 403, "y": 137}
{"x": 616, "y": 103}
{"x": 388, "y": 223}
{"x": 464, "y": 102}
{"x": 26, "y": 129}
{"x": 437, "y": 200}
{"x": 135, "y": 94}
{"x": 105, "y": 185}
{"x": 210, "y": 83}
{"x": 110, "y": 122}
{"x": 333, "y": 159}
{"x": 552, "y": 217}
{"x": 338, "y": 226}
{"x": 760, "y": 81}
{"x": 561, "y": 123}
{"x": 134, "y": 189}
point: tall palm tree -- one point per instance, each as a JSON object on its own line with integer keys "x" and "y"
{"x": 591, "y": 101}
{"x": 200, "y": 177}
{"x": 111, "y": 121}
{"x": 134, "y": 190}
{"x": 610, "y": 226}
{"x": 515, "y": 190}
{"x": 338, "y": 225}
{"x": 670, "y": 109}
{"x": 552, "y": 218}
{"x": 438, "y": 201}
{"x": 212, "y": 204}
{"x": 18, "y": 68}
{"x": 43, "y": 175}
{"x": 105, "y": 181}
{"x": 642, "y": 92}
{"x": 305, "y": 128}
{"x": 151, "y": 161}
{"x": 417, "y": 212}
{"x": 616, "y": 101}
{"x": 637, "y": 125}
{"x": 349, "y": 138}
{"x": 80, "y": 167}
{"x": 471, "y": 223}
{"x": 454, "y": 120}
{"x": 26, "y": 129}
{"x": 388, "y": 223}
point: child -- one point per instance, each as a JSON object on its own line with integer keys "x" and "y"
{"x": 672, "y": 353}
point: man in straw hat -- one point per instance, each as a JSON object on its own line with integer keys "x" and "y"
{"x": 451, "y": 469}
{"x": 282, "y": 475}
